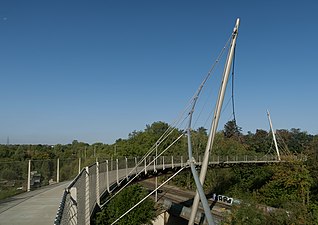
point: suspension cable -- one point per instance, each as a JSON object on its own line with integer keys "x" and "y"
{"x": 233, "y": 63}
{"x": 149, "y": 195}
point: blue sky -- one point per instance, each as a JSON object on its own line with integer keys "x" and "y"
{"x": 95, "y": 71}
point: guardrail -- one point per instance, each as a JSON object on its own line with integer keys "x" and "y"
{"x": 83, "y": 194}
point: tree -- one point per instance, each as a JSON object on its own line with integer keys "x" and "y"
{"x": 126, "y": 199}
{"x": 231, "y": 130}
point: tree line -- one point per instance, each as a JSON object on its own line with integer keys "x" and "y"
{"x": 291, "y": 187}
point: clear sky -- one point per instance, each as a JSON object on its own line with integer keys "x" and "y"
{"x": 95, "y": 71}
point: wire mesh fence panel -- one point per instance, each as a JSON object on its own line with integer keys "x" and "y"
{"x": 68, "y": 168}
{"x": 121, "y": 163}
{"x": 131, "y": 162}
{"x": 112, "y": 164}
{"x": 80, "y": 195}
{"x": 43, "y": 172}
{"x": 102, "y": 176}
{"x": 92, "y": 187}
{"x": 13, "y": 178}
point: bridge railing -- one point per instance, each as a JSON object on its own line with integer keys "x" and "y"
{"x": 20, "y": 176}
{"x": 83, "y": 194}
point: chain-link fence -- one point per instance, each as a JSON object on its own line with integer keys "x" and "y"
{"x": 13, "y": 178}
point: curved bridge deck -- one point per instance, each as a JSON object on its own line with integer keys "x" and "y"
{"x": 81, "y": 196}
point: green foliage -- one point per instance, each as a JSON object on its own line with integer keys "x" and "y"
{"x": 245, "y": 215}
{"x": 122, "y": 202}
{"x": 285, "y": 185}
{"x": 254, "y": 214}
{"x": 290, "y": 182}
{"x": 231, "y": 130}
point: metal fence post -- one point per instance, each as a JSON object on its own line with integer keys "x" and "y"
{"x": 97, "y": 184}
{"x": 126, "y": 161}
{"x": 87, "y": 214}
{"x": 29, "y": 176}
{"x": 73, "y": 212}
{"x": 181, "y": 161}
{"x": 136, "y": 164}
{"x": 79, "y": 165}
{"x": 156, "y": 185}
{"x": 107, "y": 177}
{"x": 58, "y": 170}
{"x": 145, "y": 166}
{"x": 172, "y": 162}
{"x": 117, "y": 175}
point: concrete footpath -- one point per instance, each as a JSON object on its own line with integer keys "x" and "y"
{"x": 37, "y": 207}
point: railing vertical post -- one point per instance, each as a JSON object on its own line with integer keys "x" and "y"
{"x": 163, "y": 162}
{"x": 29, "y": 176}
{"x": 218, "y": 159}
{"x": 156, "y": 185}
{"x": 227, "y": 158}
{"x": 79, "y": 165}
{"x": 156, "y": 163}
{"x": 126, "y": 162}
{"x": 107, "y": 177}
{"x": 136, "y": 164}
{"x": 181, "y": 161}
{"x": 145, "y": 166}
{"x": 172, "y": 162}
{"x": 58, "y": 170}
{"x": 117, "y": 175}
{"x": 73, "y": 213}
{"x": 97, "y": 184}
{"x": 87, "y": 214}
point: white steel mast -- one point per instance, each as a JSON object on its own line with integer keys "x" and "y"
{"x": 215, "y": 120}
{"x": 273, "y": 133}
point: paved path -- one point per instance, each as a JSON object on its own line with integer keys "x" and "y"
{"x": 37, "y": 207}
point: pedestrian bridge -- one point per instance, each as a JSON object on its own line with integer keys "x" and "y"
{"x": 89, "y": 190}
{"x": 76, "y": 201}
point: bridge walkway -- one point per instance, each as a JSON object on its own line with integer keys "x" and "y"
{"x": 40, "y": 206}
{"x": 37, "y": 207}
